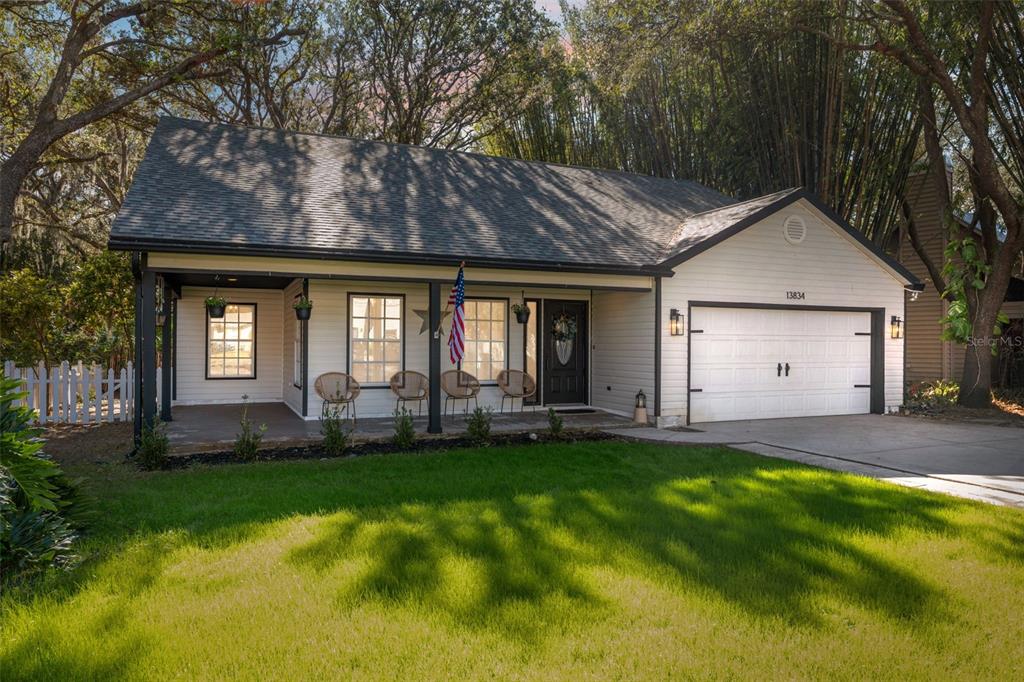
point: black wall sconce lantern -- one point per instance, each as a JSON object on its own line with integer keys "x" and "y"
{"x": 896, "y": 327}
{"x": 675, "y": 322}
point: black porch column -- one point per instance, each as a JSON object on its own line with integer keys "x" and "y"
{"x": 147, "y": 364}
{"x": 304, "y": 333}
{"x": 165, "y": 356}
{"x": 137, "y": 373}
{"x": 174, "y": 348}
{"x": 435, "y": 359}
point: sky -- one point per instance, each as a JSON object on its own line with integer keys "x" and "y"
{"x": 552, "y": 9}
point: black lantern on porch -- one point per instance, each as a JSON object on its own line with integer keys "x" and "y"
{"x": 640, "y": 411}
{"x": 896, "y": 327}
{"x": 675, "y": 322}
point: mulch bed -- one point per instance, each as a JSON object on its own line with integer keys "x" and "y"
{"x": 999, "y": 415}
{"x": 378, "y": 447}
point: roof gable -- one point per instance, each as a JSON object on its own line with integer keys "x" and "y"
{"x": 700, "y": 232}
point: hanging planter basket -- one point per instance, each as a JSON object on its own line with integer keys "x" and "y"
{"x": 522, "y": 313}
{"x": 215, "y": 307}
{"x": 303, "y": 308}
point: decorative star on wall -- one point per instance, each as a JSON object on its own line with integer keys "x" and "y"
{"x": 424, "y": 316}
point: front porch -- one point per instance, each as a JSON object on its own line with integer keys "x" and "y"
{"x": 205, "y": 428}
{"x": 371, "y": 327}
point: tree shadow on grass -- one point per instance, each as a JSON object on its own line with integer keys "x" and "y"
{"x": 510, "y": 538}
{"x": 769, "y": 539}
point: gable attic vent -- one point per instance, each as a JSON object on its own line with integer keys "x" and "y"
{"x": 794, "y": 229}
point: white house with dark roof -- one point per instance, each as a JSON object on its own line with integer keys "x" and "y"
{"x": 715, "y": 309}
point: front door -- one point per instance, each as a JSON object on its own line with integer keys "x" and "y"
{"x": 565, "y": 352}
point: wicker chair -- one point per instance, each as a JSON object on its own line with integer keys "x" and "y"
{"x": 337, "y": 388}
{"x": 410, "y": 386}
{"x": 458, "y": 385}
{"x": 515, "y": 383}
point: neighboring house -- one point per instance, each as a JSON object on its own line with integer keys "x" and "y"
{"x": 717, "y": 310}
{"x": 929, "y": 358}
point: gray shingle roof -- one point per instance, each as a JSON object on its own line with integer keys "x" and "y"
{"x": 214, "y": 186}
{"x": 223, "y": 188}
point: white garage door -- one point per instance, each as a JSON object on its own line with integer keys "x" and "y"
{"x": 759, "y": 364}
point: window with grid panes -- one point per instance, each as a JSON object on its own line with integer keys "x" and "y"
{"x": 375, "y": 337}
{"x": 231, "y": 343}
{"x": 485, "y": 338}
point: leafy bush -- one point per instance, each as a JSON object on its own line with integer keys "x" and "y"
{"x": 405, "y": 434}
{"x": 933, "y": 394}
{"x": 478, "y": 426}
{"x": 555, "y": 424}
{"x": 153, "y": 446}
{"x": 335, "y": 432}
{"x": 247, "y": 443}
{"x": 40, "y": 508}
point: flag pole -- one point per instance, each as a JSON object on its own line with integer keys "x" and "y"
{"x": 462, "y": 266}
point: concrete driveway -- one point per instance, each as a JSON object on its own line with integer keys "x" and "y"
{"x": 971, "y": 460}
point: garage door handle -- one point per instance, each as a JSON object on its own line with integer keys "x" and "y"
{"x": 787, "y": 369}
{"x": 779, "y": 370}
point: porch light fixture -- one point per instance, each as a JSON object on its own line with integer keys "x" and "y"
{"x": 896, "y": 327}
{"x": 675, "y": 322}
{"x": 640, "y": 412}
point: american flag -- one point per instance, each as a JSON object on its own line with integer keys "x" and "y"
{"x": 457, "y": 337}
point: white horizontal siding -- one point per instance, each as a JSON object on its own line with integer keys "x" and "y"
{"x": 192, "y": 384}
{"x": 328, "y": 335}
{"x": 622, "y": 349}
{"x": 759, "y": 266}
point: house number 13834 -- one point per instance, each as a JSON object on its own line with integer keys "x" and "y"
{"x": 795, "y": 295}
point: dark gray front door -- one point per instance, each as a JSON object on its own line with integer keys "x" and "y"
{"x": 565, "y": 351}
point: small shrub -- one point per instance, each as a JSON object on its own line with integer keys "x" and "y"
{"x": 478, "y": 426}
{"x": 247, "y": 443}
{"x": 153, "y": 446}
{"x": 555, "y": 424}
{"x": 40, "y": 508}
{"x": 405, "y": 434}
{"x": 933, "y": 394}
{"x": 335, "y": 432}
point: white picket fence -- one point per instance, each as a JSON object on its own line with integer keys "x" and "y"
{"x": 78, "y": 393}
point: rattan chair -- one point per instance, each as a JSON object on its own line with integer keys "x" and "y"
{"x": 337, "y": 388}
{"x": 409, "y": 386}
{"x": 515, "y": 383}
{"x": 458, "y": 385}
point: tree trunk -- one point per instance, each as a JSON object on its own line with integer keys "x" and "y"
{"x": 13, "y": 173}
{"x": 976, "y": 382}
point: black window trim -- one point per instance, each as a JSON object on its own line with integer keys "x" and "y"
{"x": 348, "y": 334}
{"x": 255, "y": 335}
{"x": 506, "y": 300}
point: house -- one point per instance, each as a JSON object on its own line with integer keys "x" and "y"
{"x": 715, "y": 309}
{"x": 929, "y": 357}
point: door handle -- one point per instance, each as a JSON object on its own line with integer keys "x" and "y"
{"x": 787, "y": 369}
{"x": 779, "y": 370}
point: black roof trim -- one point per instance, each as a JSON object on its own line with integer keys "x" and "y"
{"x": 182, "y": 246}
{"x": 795, "y": 195}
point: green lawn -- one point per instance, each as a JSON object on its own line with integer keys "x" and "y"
{"x": 595, "y": 560}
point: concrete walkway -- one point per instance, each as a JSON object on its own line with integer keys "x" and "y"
{"x": 977, "y": 461}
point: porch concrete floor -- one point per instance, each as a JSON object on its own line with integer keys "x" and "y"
{"x": 198, "y": 428}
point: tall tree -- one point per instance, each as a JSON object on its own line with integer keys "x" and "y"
{"x": 729, "y": 94}
{"x": 443, "y": 73}
{"x": 967, "y": 60}
{"x": 106, "y": 56}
